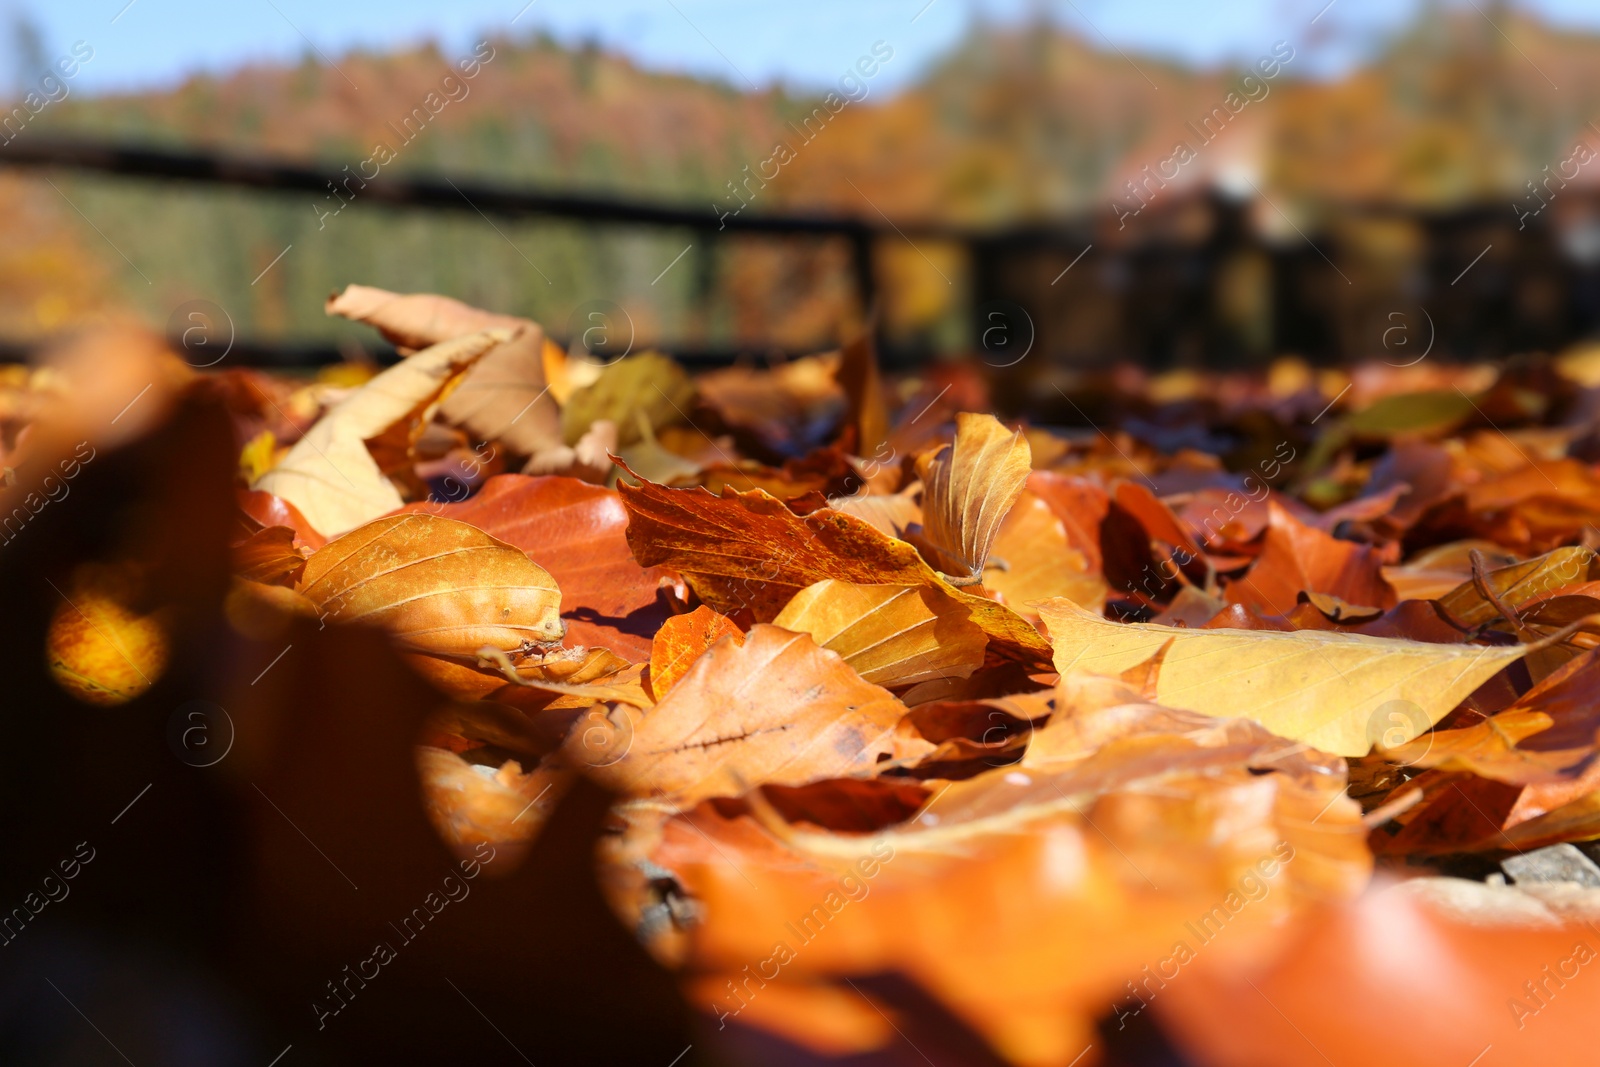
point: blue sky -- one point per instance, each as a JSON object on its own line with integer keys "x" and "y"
{"x": 158, "y": 42}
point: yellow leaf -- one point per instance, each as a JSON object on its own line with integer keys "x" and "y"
{"x": 1033, "y": 561}
{"x": 648, "y": 384}
{"x": 440, "y": 587}
{"x": 891, "y": 634}
{"x": 1339, "y": 692}
{"x": 969, "y": 487}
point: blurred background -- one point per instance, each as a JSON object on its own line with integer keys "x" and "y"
{"x": 1082, "y": 181}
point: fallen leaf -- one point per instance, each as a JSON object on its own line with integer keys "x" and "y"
{"x": 269, "y": 556}
{"x": 968, "y": 487}
{"x": 867, "y": 414}
{"x": 890, "y": 514}
{"x": 100, "y": 647}
{"x": 502, "y": 398}
{"x": 1519, "y": 584}
{"x": 1326, "y": 688}
{"x": 589, "y": 459}
{"x": 776, "y": 709}
{"x": 892, "y": 635}
{"x": 329, "y": 474}
{"x": 1108, "y": 862}
{"x": 474, "y": 803}
{"x": 1033, "y": 560}
{"x": 749, "y": 552}
{"x": 418, "y": 320}
{"x": 577, "y": 532}
{"x": 1548, "y": 735}
{"x": 682, "y": 640}
{"x": 440, "y": 588}
{"x": 1298, "y": 558}
{"x": 648, "y": 386}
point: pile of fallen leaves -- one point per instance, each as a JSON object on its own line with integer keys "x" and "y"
{"x": 1230, "y": 702}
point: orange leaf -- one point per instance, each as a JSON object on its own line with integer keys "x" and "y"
{"x": 970, "y": 485}
{"x": 1298, "y": 558}
{"x": 681, "y": 641}
{"x": 775, "y": 709}
{"x": 439, "y": 586}
{"x": 576, "y": 531}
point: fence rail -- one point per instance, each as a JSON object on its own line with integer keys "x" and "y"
{"x": 1148, "y": 292}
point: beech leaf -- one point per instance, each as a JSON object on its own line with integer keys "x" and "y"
{"x": 748, "y": 551}
{"x": 777, "y": 709}
{"x": 438, "y": 586}
{"x": 329, "y": 474}
{"x": 969, "y": 486}
{"x": 891, "y": 634}
{"x": 1318, "y": 686}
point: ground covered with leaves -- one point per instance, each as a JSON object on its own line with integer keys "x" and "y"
{"x": 1262, "y": 706}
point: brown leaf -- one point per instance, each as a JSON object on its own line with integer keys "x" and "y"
{"x": 1548, "y": 735}
{"x": 261, "y": 510}
{"x": 749, "y": 552}
{"x": 1081, "y": 506}
{"x": 1298, "y": 558}
{"x": 269, "y": 556}
{"x": 1026, "y": 899}
{"x": 867, "y": 414}
{"x": 415, "y": 321}
{"x": 1033, "y": 560}
{"x": 330, "y": 475}
{"x": 891, "y": 514}
{"x": 470, "y": 803}
{"x": 503, "y": 397}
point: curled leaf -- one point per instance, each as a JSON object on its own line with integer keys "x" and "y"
{"x": 330, "y": 475}
{"x": 969, "y": 486}
{"x": 438, "y": 586}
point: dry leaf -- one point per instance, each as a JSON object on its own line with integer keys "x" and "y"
{"x": 269, "y": 556}
{"x": 503, "y": 397}
{"x": 776, "y": 709}
{"x": 892, "y": 635}
{"x": 1027, "y": 899}
{"x": 438, "y": 586}
{"x": 470, "y": 803}
{"x": 648, "y": 386}
{"x": 749, "y": 552}
{"x": 1297, "y": 558}
{"x": 968, "y": 487}
{"x": 329, "y": 474}
{"x": 576, "y": 531}
{"x": 1332, "y": 690}
{"x": 1033, "y": 560}
{"x": 682, "y": 640}
{"x": 418, "y": 320}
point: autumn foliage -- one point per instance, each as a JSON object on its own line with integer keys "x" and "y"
{"x": 1057, "y": 725}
